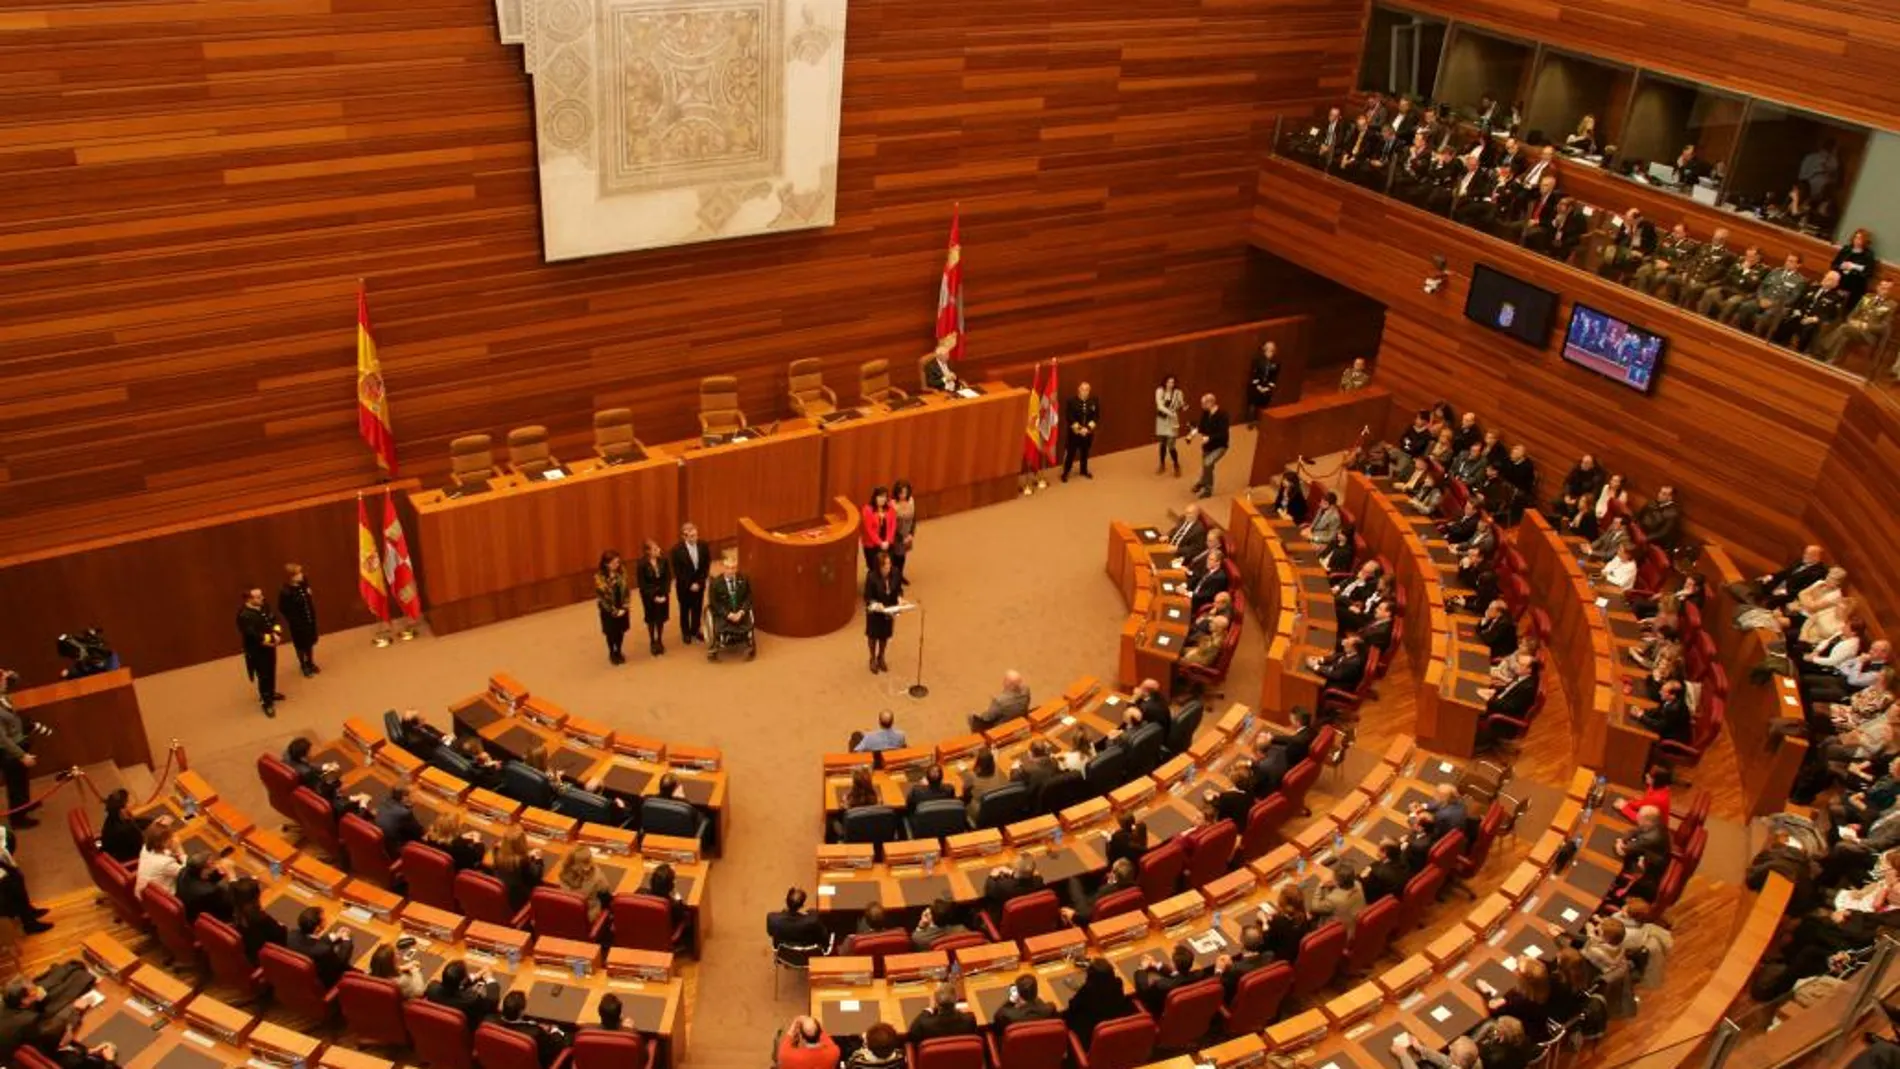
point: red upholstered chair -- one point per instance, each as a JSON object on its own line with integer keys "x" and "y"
{"x": 645, "y": 922}
{"x": 295, "y": 985}
{"x": 563, "y": 915}
{"x": 430, "y": 875}
{"x": 1116, "y": 903}
{"x": 499, "y": 1047}
{"x": 1299, "y": 780}
{"x": 1540, "y": 625}
{"x": 1030, "y": 1045}
{"x": 85, "y": 840}
{"x": 372, "y": 1010}
{"x": 280, "y": 782}
{"x": 1337, "y": 702}
{"x": 1371, "y": 935}
{"x": 1264, "y": 822}
{"x": 1419, "y": 894}
{"x": 1209, "y": 848}
{"x": 1257, "y": 999}
{"x": 1469, "y": 865}
{"x": 595, "y": 1049}
{"x": 231, "y": 971}
{"x": 1123, "y": 1043}
{"x": 1187, "y": 1015}
{"x": 1026, "y": 915}
{"x": 947, "y": 1052}
{"x": 1320, "y": 954}
{"x": 1703, "y": 733}
{"x": 116, "y": 883}
{"x": 1686, "y": 825}
{"x": 1161, "y": 870}
{"x": 28, "y": 1058}
{"x": 481, "y": 897}
{"x": 959, "y": 941}
{"x": 318, "y": 822}
{"x": 439, "y": 1035}
{"x": 878, "y": 945}
{"x": 1445, "y": 853}
{"x": 368, "y": 852}
{"x": 167, "y": 915}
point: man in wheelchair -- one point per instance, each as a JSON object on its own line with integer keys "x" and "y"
{"x": 731, "y": 599}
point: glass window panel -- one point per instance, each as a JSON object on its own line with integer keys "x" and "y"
{"x": 1402, "y": 51}
{"x": 1680, "y": 135}
{"x": 1484, "y": 76}
{"x": 1577, "y": 103}
{"x": 1782, "y": 148}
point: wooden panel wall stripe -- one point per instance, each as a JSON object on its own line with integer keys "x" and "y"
{"x": 194, "y": 189}
{"x": 1854, "y": 510}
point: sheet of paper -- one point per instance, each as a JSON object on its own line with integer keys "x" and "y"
{"x": 1440, "y": 1014}
{"x": 849, "y": 1005}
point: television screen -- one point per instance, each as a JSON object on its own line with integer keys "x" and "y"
{"x": 1612, "y": 348}
{"x": 1505, "y": 304}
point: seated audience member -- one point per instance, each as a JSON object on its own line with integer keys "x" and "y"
{"x": 1122, "y": 875}
{"x": 1866, "y": 324}
{"x": 1819, "y": 309}
{"x": 663, "y": 883}
{"x": 1670, "y": 719}
{"x": 1644, "y": 851}
{"x": 548, "y": 1039}
{"x": 1737, "y": 283}
{"x": 1446, "y": 812}
{"x": 1387, "y": 873}
{"x": 1326, "y": 522}
{"x": 1656, "y": 782}
{"x": 1289, "y": 495}
{"x": 519, "y": 866}
{"x": 1010, "y": 704}
{"x": 939, "y": 920}
{"x": 1620, "y": 572}
{"x": 579, "y": 875}
{"x": 873, "y": 921}
{"x": 1253, "y": 954}
{"x": 1099, "y": 999}
{"x": 1345, "y": 667}
{"x": 1612, "y": 500}
{"x": 1505, "y": 669}
{"x": 1513, "y": 698}
{"x": 1196, "y": 566}
{"x": 330, "y": 952}
{"x": 1129, "y": 840}
{"x": 886, "y": 737}
{"x": 793, "y": 927}
{"x": 804, "y": 1045}
{"x": 1855, "y": 675}
{"x": 882, "y": 1049}
{"x": 1336, "y": 895}
{"x": 1362, "y": 583}
{"x": 160, "y": 861}
{"x": 1673, "y": 253}
{"x": 1357, "y": 376}
{"x": 1476, "y": 574}
{"x": 1529, "y": 1000}
{"x": 984, "y": 777}
{"x": 1007, "y": 882}
{"x": 257, "y": 928}
{"x": 463, "y": 845}
{"x": 476, "y": 995}
{"x": 1236, "y": 800}
{"x": 1289, "y": 924}
{"x": 932, "y": 789}
{"x": 610, "y": 1013}
{"x": 1189, "y": 537}
{"x": 1614, "y": 536}
{"x": 1378, "y": 631}
{"x": 1468, "y": 466}
{"x": 484, "y": 769}
{"x": 1206, "y": 649}
{"x": 1411, "y": 1054}
{"x": 1778, "y": 588}
{"x": 1155, "y": 978}
{"x": 1631, "y": 244}
{"x": 397, "y": 820}
{"x": 1425, "y": 496}
{"x": 1582, "y": 483}
{"x": 942, "y": 1017}
{"x": 1483, "y": 540}
{"x": 417, "y": 735}
{"x": 1037, "y": 767}
{"x": 1025, "y": 1003}
{"x": 1151, "y": 703}
{"x": 1503, "y": 1044}
{"x": 1660, "y": 519}
{"x": 1496, "y": 630}
{"x": 122, "y": 835}
{"x": 201, "y": 888}
{"x": 1708, "y": 266}
{"x": 1214, "y": 581}
{"x": 1779, "y": 290}
{"x": 39, "y": 1013}
{"x": 406, "y": 975}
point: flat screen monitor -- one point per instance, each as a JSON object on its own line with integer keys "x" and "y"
{"x": 1510, "y": 306}
{"x": 1612, "y": 348}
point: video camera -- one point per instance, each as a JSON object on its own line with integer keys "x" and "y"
{"x": 88, "y": 652}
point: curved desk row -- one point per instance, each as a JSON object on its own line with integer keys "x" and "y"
{"x": 1154, "y": 635}
{"x": 1292, "y": 599}
{"x": 1769, "y": 760}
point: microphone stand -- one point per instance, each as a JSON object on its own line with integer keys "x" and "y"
{"x": 917, "y": 689}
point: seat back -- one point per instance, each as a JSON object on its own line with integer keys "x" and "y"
{"x": 1187, "y": 1015}
{"x": 430, "y": 874}
{"x": 1187, "y": 721}
{"x": 224, "y": 951}
{"x": 1299, "y": 780}
{"x": 719, "y": 405}
{"x": 1258, "y": 996}
{"x": 318, "y": 822}
{"x": 1446, "y": 851}
{"x": 448, "y": 760}
{"x": 280, "y": 782}
{"x": 879, "y": 945}
{"x": 1161, "y": 870}
{"x": 1031, "y": 914}
{"x": 1420, "y": 892}
{"x": 364, "y": 845}
{"x": 528, "y": 450}
{"x": 1123, "y": 1043}
{"x": 1005, "y": 805}
{"x": 293, "y": 981}
{"x": 372, "y": 1009}
{"x": 805, "y": 387}
{"x": 613, "y": 433}
{"x": 875, "y": 824}
{"x": 1033, "y": 1045}
{"x": 1371, "y": 934}
{"x": 560, "y": 914}
{"x": 950, "y": 1052}
{"x": 1320, "y": 954}
{"x": 28, "y": 1058}
{"x": 500, "y": 1047}
{"x": 527, "y": 785}
{"x": 481, "y": 897}
{"x": 1107, "y": 770}
{"x": 939, "y": 817}
{"x": 439, "y": 1034}
{"x": 1264, "y": 822}
{"x": 1144, "y": 749}
{"x": 874, "y": 382}
{"x": 116, "y": 883}
{"x": 572, "y": 801}
{"x": 669, "y": 816}
{"x": 471, "y": 458}
{"x": 1063, "y": 790}
{"x": 167, "y": 915}
{"x": 80, "y": 829}
{"x": 1209, "y": 849}
{"x": 643, "y": 922}
{"x": 595, "y": 1049}
{"x": 1488, "y": 830}
{"x": 1116, "y": 903}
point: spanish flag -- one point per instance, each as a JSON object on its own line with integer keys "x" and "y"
{"x": 369, "y": 565}
{"x": 372, "y": 403}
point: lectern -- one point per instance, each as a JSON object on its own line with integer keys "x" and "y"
{"x": 804, "y": 581}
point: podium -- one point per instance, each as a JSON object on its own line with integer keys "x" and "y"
{"x": 94, "y": 718}
{"x": 804, "y": 582}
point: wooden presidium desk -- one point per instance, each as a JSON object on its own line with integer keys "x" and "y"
{"x": 957, "y": 452}
{"x": 94, "y": 718}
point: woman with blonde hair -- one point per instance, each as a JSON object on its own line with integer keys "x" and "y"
{"x": 518, "y": 866}
{"x": 580, "y": 875}
{"x": 449, "y": 835}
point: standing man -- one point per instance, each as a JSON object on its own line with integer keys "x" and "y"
{"x": 299, "y": 607}
{"x": 1212, "y": 433}
{"x": 1263, "y": 378}
{"x": 692, "y": 561}
{"x": 14, "y": 760}
{"x": 262, "y": 634}
{"x": 1082, "y": 413}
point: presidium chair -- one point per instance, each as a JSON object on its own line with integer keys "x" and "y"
{"x": 874, "y": 383}
{"x": 719, "y": 415}
{"x": 806, "y": 389}
{"x": 471, "y": 460}
{"x": 613, "y": 436}
{"x": 528, "y": 453}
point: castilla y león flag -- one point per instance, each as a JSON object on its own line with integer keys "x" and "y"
{"x": 950, "y": 298}
{"x": 399, "y": 573}
{"x": 372, "y": 403}
{"x": 369, "y": 565}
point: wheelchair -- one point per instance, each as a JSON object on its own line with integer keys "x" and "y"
{"x": 727, "y": 635}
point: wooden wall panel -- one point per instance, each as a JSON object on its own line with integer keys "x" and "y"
{"x": 194, "y": 189}
{"x": 1855, "y": 507}
{"x": 1834, "y": 56}
{"x": 1742, "y": 429}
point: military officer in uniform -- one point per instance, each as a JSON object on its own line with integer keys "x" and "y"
{"x": 262, "y": 634}
{"x": 1818, "y": 309}
{"x": 15, "y": 761}
{"x": 1673, "y": 254}
{"x": 1866, "y": 323}
{"x": 1082, "y": 413}
{"x": 1738, "y": 281}
{"x": 1779, "y": 288}
{"x": 299, "y": 607}
{"x": 1709, "y": 263}
{"x": 1263, "y": 377}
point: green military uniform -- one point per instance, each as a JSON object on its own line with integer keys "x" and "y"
{"x": 1817, "y": 310}
{"x": 1738, "y": 284}
{"x": 1782, "y": 287}
{"x": 1673, "y": 253}
{"x": 1869, "y": 320}
{"x": 1707, "y": 267}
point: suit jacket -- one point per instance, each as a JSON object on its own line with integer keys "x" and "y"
{"x": 199, "y": 895}
{"x": 1344, "y": 670}
{"x": 731, "y": 593}
{"x": 1010, "y": 1013}
{"x": 938, "y": 374}
{"x": 476, "y": 1001}
{"x": 1233, "y": 805}
{"x": 1080, "y": 411}
{"x": 1005, "y": 706}
{"x": 1651, "y": 844}
{"x": 933, "y": 1024}
{"x": 1825, "y": 305}
{"x": 795, "y": 929}
{"x": 1514, "y": 699}
{"x": 1384, "y": 878}
{"x": 398, "y": 823}
{"x": 1499, "y": 635}
{"x": 1298, "y": 746}
{"x": 1334, "y": 135}
{"x": 547, "y": 1042}
{"x": 1669, "y": 719}
{"x": 1155, "y": 710}
{"x": 1189, "y": 539}
{"x": 1447, "y": 818}
{"x": 1214, "y": 582}
{"x": 1270, "y": 770}
{"x": 258, "y": 629}
{"x": 260, "y": 931}
{"x": 998, "y": 890}
{"x": 299, "y": 607}
{"x": 1798, "y": 576}
{"x": 1378, "y": 635}
{"x": 685, "y": 572}
{"x": 331, "y": 957}
{"x": 1153, "y": 985}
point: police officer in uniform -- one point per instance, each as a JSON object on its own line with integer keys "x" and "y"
{"x": 299, "y": 606}
{"x": 15, "y": 761}
{"x": 262, "y": 634}
{"x": 1082, "y": 413}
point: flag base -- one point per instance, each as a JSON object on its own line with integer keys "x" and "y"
{"x": 381, "y": 640}
{"x": 918, "y": 690}
{"x": 407, "y": 634}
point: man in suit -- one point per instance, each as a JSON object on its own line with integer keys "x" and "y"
{"x": 1819, "y": 309}
{"x": 15, "y": 760}
{"x": 1189, "y": 537}
{"x": 1707, "y": 267}
{"x": 1779, "y": 288}
{"x": 1736, "y": 284}
{"x": 1866, "y": 324}
{"x": 1446, "y": 812}
{"x": 1037, "y": 767}
{"x": 1344, "y": 667}
{"x": 1558, "y": 234}
{"x": 1213, "y": 581}
{"x": 1025, "y": 1004}
{"x": 1253, "y": 955}
{"x": 1326, "y": 522}
{"x": 261, "y": 634}
{"x": 931, "y": 789}
{"x": 1403, "y": 119}
{"x": 938, "y": 374}
{"x": 1153, "y": 705}
{"x": 40, "y": 1013}
{"x": 1359, "y": 143}
{"x": 1336, "y": 896}
{"x": 1660, "y": 518}
{"x": 793, "y": 927}
{"x": 1385, "y": 155}
{"x": 1378, "y": 631}
{"x": 1514, "y": 699}
{"x": 476, "y": 997}
{"x": 1363, "y": 583}
{"x": 1673, "y": 253}
{"x": 397, "y": 820}
{"x": 330, "y": 953}
{"x": 1476, "y": 205}
{"x": 692, "y": 563}
{"x": 1778, "y": 588}
{"x": 731, "y": 600}
{"x": 1544, "y": 166}
{"x": 548, "y": 1040}
{"x": 1387, "y": 873}
{"x": 1496, "y": 630}
{"x": 1690, "y": 168}
{"x": 1010, "y": 704}
{"x": 202, "y": 889}
{"x": 1154, "y": 979}
{"x": 1081, "y": 414}
{"x": 1434, "y": 190}
{"x": 1670, "y": 719}
{"x": 1005, "y": 883}
{"x": 1330, "y": 135}
{"x": 1633, "y": 242}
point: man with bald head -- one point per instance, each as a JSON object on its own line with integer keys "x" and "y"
{"x": 1011, "y": 703}
{"x": 1211, "y": 433}
{"x": 1189, "y": 537}
{"x": 1778, "y": 588}
{"x": 1646, "y": 846}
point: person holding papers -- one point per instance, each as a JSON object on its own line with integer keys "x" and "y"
{"x": 938, "y": 374}
{"x": 883, "y": 593}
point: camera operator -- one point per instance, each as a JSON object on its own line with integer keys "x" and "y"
{"x": 15, "y": 761}
{"x": 262, "y": 634}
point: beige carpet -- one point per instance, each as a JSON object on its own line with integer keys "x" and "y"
{"x": 1017, "y": 585}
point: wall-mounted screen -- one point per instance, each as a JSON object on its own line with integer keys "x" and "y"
{"x": 1613, "y": 348}
{"x": 1510, "y": 305}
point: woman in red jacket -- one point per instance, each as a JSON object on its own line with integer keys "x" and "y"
{"x": 880, "y": 527}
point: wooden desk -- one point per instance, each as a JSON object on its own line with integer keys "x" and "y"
{"x": 94, "y": 718}
{"x": 529, "y": 545}
{"x": 1292, "y": 603}
{"x": 1769, "y": 762}
{"x": 773, "y": 479}
{"x": 805, "y": 582}
{"x": 958, "y": 453}
{"x": 1314, "y": 426}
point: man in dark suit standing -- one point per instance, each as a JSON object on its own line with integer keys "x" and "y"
{"x": 1081, "y": 414}
{"x": 261, "y": 634}
{"x": 692, "y": 562}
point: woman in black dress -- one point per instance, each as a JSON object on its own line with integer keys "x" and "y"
{"x": 655, "y": 576}
{"x": 610, "y": 596}
{"x": 298, "y": 606}
{"x": 882, "y": 589}
{"x": 1262, "y": 378}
